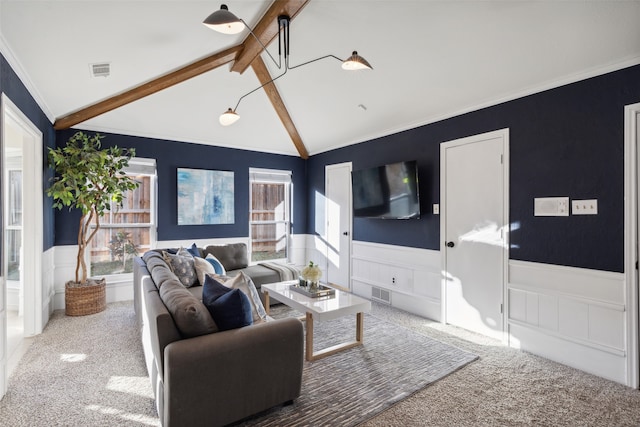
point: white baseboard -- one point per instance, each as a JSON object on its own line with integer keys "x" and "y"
{"x": 561, "y": 350}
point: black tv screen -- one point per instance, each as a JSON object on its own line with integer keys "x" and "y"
{"x": 388, "y": 191}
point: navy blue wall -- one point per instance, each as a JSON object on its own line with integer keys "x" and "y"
{"x": 13, "y": 87}
{"x": 567, "y": 141}
{"x": 170, "y": 156}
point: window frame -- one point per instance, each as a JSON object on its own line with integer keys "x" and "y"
{"x": 137, "y": 166}
{"x": 272, "y": 176}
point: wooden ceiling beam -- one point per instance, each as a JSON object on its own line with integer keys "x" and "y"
{"x": 178, "y": 76}
{"x": 266, "y": 30}
{"x": 260, "y": 68}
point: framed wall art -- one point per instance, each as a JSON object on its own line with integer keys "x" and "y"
{"x": 205, "y": 197}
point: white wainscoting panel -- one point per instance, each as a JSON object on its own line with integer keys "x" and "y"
{"x": 48, "y": 287}
{"x": 412, "y": 276}
{"x": 298, "y": 249}
{"x": 200, "y": 242}
{"x": 571, "y": 315}
{"x": 13, "y": 295}
{"x": 59, "y": 265}
{"x": 65, "y": 269}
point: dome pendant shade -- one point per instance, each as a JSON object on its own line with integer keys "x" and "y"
{"x": 224, "y": 21}
{"x": 229, "y": 117}
{"x": 356, "y": 62}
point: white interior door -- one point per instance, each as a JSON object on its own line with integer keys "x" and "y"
{"x": 632, "y": 240}
{"x": 474, "y": 231}
{"x": 339, "y": 219}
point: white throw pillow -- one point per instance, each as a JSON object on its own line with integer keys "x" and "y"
{"x": 217, "y": 265}
{"x": 245, "y": 284}
{"x": 202, "y": 267}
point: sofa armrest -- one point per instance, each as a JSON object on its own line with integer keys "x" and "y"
{"x": 226, "y": 376}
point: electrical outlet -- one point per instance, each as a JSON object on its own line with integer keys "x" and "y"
{"x": 584, "y": 207}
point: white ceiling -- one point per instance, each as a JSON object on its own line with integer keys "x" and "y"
{"x": 431, "y": 59}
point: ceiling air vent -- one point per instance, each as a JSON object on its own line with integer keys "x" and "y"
{"x": 102, "y": 69}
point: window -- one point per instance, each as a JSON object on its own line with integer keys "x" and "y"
{"x": 130, "y": 230}
{"x": 14, "y": 223}
{"x": 270, "y": 214}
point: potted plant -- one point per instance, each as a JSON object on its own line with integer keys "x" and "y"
{"x": 89, "y": 178}
{"x": 311, "y": 274}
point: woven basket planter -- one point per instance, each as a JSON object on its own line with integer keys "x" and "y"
{"x": 83, "y": 300}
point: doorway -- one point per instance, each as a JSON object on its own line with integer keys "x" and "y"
{"x": 632, "y": 240}
{"x": 474, "y": 209}
{"x": 338, "y": 224}
{"x": 22, "y": 239}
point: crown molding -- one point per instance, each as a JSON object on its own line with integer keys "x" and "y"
{"x": 22, "y": 74}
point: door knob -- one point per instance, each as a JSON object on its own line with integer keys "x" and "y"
{"x": 346, "y": 233}
{"x": 450, "y": 244}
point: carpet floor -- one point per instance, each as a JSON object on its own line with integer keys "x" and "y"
{"x": 504, "y": 387}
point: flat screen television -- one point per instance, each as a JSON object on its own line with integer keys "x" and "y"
{"x": 388, "y": 192}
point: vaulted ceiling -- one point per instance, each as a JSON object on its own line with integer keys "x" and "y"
{"x": 431, "y": 59}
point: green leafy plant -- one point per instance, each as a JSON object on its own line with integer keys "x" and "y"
{"x": 122, "y": 247}
{"x": 88, "y": 177}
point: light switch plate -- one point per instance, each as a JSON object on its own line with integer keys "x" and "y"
{"x": 584, "y": 207}
{"x": 436, "y": 209}
{"x": 551, "y": 206}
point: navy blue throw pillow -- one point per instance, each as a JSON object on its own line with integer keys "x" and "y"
{"x": 230, "y": 308}
{"x": 194, "y": 251}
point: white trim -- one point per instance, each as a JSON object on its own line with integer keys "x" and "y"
{"x": 272, "y": 176}
{"x": 631, "y": 150}
{"x": 559, "y": 294}
{"x": 17, "y": 67}
{"x": 504, "y": 135}
{"x": 600, "y": 347}
{"x": 32, "y": 214}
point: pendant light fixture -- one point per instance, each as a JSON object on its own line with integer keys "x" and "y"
{"x": 226, "y": 22}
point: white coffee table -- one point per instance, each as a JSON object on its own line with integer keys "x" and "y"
{"x": 324, "y": 308}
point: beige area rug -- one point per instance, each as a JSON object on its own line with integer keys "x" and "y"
{"x": 352, "y": 386}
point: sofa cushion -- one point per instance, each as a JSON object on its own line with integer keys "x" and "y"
{"x": 230, "y": 308}
{"x": 182, "y": 266}
{"x": 244, "y": 283}
{"x": 189, "y": 314}
{"x": 202, "y": 267}
{"x": 216, "y": 264}
{"x": 232, "y": 255}
{"x": 156, "y": 263}
{"x": 259, "y": 274}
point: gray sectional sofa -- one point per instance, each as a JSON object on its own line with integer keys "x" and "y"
{"x": 206, "y": 378}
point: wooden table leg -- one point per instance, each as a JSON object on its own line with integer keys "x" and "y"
{"x": 266, "y": 301}
{"x": 311, "y": 356}
{"x": 309, "y": 340}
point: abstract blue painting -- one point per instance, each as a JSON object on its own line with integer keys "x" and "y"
{"x": 205, "y": 197}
